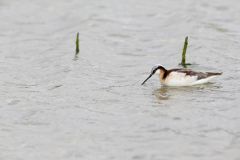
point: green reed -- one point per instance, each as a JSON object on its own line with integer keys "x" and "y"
{"x": 77, "y": 44}
{"x": 183, "y": 63}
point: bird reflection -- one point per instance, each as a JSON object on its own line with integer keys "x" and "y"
{"x": 165, "y": 92}
{"x": 162, "y": 93}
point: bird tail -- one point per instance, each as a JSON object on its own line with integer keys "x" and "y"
{"x": 209, "y": 74}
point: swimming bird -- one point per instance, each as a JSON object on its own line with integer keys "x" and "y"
{"x": 181, "y": 76}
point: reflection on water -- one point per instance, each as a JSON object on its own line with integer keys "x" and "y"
{"x": 162, "y": 93}
{"x": 166, "y": 92}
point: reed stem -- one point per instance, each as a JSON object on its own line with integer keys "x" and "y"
{"x": 184, "y": 51}
{"x": 77, "y": 44}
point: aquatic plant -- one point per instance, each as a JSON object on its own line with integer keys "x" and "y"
{"x": 77, "y": 44}
{"x": 183, "y": 63}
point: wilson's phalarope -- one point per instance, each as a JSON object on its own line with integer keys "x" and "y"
{"x": 181, "y": 76}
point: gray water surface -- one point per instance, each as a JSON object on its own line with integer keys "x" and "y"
{"x": 57, "y": 107}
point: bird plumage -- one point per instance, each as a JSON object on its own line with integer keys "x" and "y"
{"x": 181, "y": 76}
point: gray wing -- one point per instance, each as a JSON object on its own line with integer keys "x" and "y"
{"x": 200, "y": 75}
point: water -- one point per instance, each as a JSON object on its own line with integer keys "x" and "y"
{"x": 57, "y": 107}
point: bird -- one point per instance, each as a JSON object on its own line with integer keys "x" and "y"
{"x": 181, "y": 76}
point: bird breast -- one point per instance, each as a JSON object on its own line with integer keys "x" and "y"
{"x": 178, "y": 79}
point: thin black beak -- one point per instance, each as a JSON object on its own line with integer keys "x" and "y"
{"x": 148, "y": 78}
